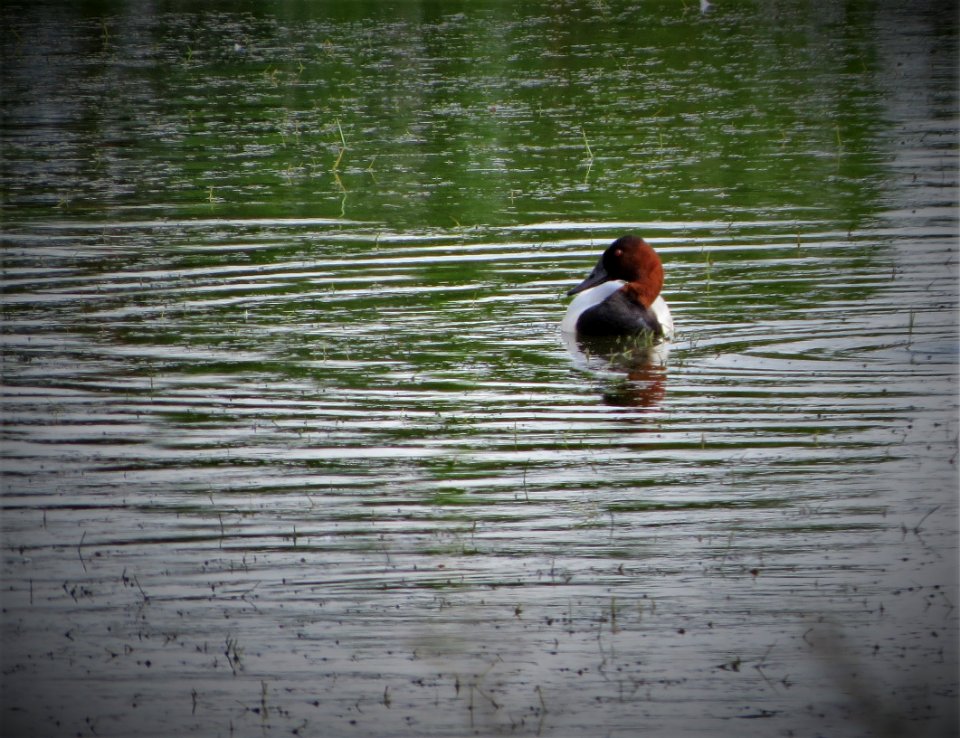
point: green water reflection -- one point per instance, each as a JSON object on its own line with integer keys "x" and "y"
{"x": 428, "y": 114}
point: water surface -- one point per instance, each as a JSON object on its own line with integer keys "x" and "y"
{"x": 292, "y": 443}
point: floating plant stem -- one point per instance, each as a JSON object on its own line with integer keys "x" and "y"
{"x": 543, "y": 704}
{"x": 343, "y": 148}
{"x": 586, "y": 143}
{"x": 80, "y": 550}
{"x": 143, "y": 594}
{"x": 917, "y": 528}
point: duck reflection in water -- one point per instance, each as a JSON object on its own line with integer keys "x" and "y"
{"x": 619, "y": 320}
{"x": 643, "y": 383}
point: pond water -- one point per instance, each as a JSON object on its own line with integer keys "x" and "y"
{"x": 292, "y": 443}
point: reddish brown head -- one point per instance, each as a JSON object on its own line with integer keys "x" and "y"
{"x": 632, "y": 260}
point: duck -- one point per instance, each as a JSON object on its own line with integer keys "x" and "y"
{"x": 621, "y": 296}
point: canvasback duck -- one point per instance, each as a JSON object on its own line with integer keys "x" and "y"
{"x": 621, "y": 296}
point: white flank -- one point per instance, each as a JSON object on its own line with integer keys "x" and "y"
{"x": 587, "y": 299}
{"x": 662, "y": 312}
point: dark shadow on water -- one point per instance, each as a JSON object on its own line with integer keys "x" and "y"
{"x": 638, "y": 367}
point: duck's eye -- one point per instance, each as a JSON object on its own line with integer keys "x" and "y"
{"x": 618, "y": 252}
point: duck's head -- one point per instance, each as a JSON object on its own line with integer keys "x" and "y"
{"x": 632, "y": 260}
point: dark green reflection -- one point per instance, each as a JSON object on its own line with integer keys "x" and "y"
{"x": 428, "y": 114}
